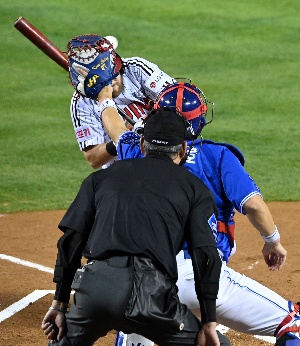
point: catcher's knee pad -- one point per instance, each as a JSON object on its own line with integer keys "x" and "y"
{"x": 290, "y": 324}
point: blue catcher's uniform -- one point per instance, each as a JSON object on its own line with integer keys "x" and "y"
{"x": 220, "y": 167}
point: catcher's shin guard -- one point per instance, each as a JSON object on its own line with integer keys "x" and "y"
{"x": 290, "y": 324}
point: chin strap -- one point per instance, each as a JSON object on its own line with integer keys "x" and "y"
{"x": 295, "y": 328}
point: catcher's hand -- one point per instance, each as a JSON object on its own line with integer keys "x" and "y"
{"x": 274, "y": 255}
{"x": 138, "y": 127}
{"x": 92, "y": 64}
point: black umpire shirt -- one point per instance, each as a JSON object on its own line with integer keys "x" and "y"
{"x": 148, "y": 207}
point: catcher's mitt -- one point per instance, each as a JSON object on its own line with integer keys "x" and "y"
{"x": 93, "y": 64}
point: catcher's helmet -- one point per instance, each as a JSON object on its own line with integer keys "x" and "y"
{"x": 190, "y": 101}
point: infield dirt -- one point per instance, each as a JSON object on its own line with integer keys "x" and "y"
{"x": 33, "y": 237}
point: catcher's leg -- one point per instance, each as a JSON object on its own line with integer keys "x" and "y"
{"x": 243, "y": 304}
{"x": 247, "y": 306}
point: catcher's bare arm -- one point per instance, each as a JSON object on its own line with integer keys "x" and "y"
{"x": 260, "y": 216}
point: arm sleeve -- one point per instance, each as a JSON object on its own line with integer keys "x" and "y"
{"x": 157, "y": 81}
{"x": 87, "y": 123}
{"x": 207, "y": 268}
{"x": 70, "y": 247}
{"x": 76, "y": 225}
{"x": 150, "y": 76}
{"x": 201, "y": 225}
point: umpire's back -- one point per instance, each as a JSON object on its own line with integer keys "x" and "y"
{"x": 142, "y": 206}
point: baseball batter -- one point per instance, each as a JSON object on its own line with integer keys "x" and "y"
{"x": 139, "y": 82}
{"x": 243, "y": 304}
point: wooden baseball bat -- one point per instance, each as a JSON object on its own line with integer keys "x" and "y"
{"x": 42, "y": 42}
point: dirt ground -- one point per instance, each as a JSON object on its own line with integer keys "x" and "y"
{"x": 32, "y": 237}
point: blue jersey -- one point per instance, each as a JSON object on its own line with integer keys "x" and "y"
{"x": 220, "y": 167}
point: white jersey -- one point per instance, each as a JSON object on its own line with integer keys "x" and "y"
{"x": 142, "y": 82}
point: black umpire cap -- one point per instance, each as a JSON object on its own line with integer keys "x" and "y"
{"x": 165, "y": 127}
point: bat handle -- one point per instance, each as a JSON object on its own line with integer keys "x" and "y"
{"x": 125, "y": 116}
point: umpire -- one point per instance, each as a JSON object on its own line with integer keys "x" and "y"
{"x": 129, "y": 221}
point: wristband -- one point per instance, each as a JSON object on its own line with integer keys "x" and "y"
{"x": 58, "y": 309}
{"x": 111, "y": 148}
{"x": 273, "y": 238}
{"x": 107, "y": 103}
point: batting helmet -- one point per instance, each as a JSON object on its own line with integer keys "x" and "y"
{"x": 190, "y": 101}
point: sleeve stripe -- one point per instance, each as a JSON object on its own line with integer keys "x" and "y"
{"x": 139, "y": 63}
{"x": 246, "y": 199}
{"x": 75, "y": 117}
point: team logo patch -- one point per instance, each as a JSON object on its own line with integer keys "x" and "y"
{"x": 83, "y": 133}
{"x": 212, "y": 221}
{"x": 92, "y": 81}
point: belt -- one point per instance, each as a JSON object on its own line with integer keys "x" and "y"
{"x": 115, "y": 261}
